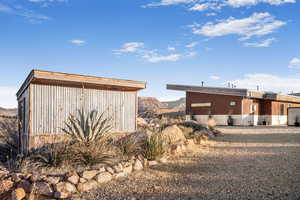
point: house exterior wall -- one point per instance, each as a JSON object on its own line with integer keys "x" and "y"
{"x": 247, "y": 111}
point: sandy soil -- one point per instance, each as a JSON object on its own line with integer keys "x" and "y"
{"x": 235, "y": 166}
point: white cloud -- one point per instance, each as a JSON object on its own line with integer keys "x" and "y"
{"x": 211, "y": 14}
{"x": 240, "y": 3}
{"x": 169, "y": 2}
{"x": 171, "y": 49}
{"x": 258, "y": 24}
{"x": 191, "y": 45}
{"x": 130, "y": 47}
{"x": 214, "y": 77}
{"x": 264, "y": 43}
{"x": 29, "y": 15}
{"x": 268, "y": 82}
{"x": 295, "y": 63}
{"x": 200, "y": 7}
{"x": 154, "y": 58}
{"x": 78, "y": 42}
{"x": 8, "y": 97}
{"x": 191, "y": 54}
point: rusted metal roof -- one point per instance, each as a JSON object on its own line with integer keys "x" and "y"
{"x": 236, "y": 92}
{"x": 75, "y": 80}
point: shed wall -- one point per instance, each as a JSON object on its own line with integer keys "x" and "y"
{"x": 51, "y": 106}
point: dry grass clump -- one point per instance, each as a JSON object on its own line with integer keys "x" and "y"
{"x": 154, "y": 147}
{"x": 129, "y": 145}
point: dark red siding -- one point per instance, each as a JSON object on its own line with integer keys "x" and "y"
{"x": 220, "y": 104}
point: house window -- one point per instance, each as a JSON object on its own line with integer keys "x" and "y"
{"x": 281, "y": 109}
{"x": 252, "y": 108}
{"x": 232, "y": 103}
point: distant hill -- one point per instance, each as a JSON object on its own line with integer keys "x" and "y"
{"x": 154, "y": 106}
{"x": 8, "y": 112}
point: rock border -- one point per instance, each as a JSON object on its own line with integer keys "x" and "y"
{"x": 18, "y": 186}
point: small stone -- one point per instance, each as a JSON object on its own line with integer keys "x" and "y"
{"x": 83, "y": 187}
{"x": 61, "y": 195}
{"x": 145, "y": 162}
{"x": 117, "y": 168}
{"x": 26, "y": 185}
{"x": 18, "y": 194}
{"x": 103, "y": 177}
{"x": 43, "y": 188}
{"x": 128, "y": 170}
{"x": 138, "y": 165}
{"x": 74, "y": 179}
{"x": 16, "y": 177}
{"x": 102, "y": 169}
{"x": 152, "y": 162}
{"x": 34, "y": 177}
{"x": 52, "y": 179}
{"x": 65, "y": 187}
{"x": 89, "y": 174}
{"x": 120, "y": 175}
{"x": 163, "y": 160}
{"x": 82, "y": 180}
{"x": 110, "y": 170}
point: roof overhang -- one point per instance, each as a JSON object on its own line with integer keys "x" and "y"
{"x": 236, "y": 92}
{"x": 82, "y": 81}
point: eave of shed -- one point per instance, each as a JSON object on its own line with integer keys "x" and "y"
{"x": 74, "y": 80}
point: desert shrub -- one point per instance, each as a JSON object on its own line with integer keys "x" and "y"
{"x": 53, "y": 155}
{"x": 88, "y": 128}
{"x": 129, "y": 145}
{"x": 89, "y": 155}
{"x": 9, "y": 139}
{"x": 154, "y": 147}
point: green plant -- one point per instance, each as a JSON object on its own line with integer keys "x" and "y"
{"x": 154, "y": 147}
{"x": 9, "y": 139}
{"x": 88, "y": 128}
{"x": 89, "y": 155}
{"x": 52, "y": 155}
{"x": 129, "y": 145}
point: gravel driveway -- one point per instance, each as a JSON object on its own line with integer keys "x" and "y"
{"x": 235, "y": 166}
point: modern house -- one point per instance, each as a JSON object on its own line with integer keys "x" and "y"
{"x": 46, "y": 99}
{"x": 244, "y": 106}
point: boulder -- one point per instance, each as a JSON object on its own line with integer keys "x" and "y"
{"x": 89, "y": 174}
{"x": 211, "y": 123}
{"x": 18, "y": 194}
{"x": 120, "y": 175}
{"x": 118, "y": 168}
{"x": 173, "y": 134}
{"x": 141, "y": 122}
{"x": 61, "y": 195}
{"x": 52, "y": 179}
{"x": 43, "y": 188}
{"x": 26, "y": 185}
{"x": 110, "y": 170}
{"x": 137, "y": 165}
{"x": 65, "y": 187}
{"x": 103, "y": 177}
{"x": 83, "y": 187}
{"x": 6, "y": 185}
{"x": 74, "y": 179}
{"x": 152, "y": 162}
{"x": 128, "y": 170}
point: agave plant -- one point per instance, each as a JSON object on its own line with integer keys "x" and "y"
{"x": 88, "y": 128}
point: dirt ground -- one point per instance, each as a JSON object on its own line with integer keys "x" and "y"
{"x": 235, "y": 166}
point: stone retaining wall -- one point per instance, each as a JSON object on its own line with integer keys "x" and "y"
{"x": 18, "y": 186}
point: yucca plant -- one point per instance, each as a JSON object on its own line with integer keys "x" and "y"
{"x": 155, "y": 147}
{"x": 88, "y": 128}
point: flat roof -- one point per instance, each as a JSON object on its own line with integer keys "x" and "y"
{"x": 235, "y": 92}
{"x": 76, "y": 80}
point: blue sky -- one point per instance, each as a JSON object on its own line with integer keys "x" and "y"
{"x": 245, "y": 42}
